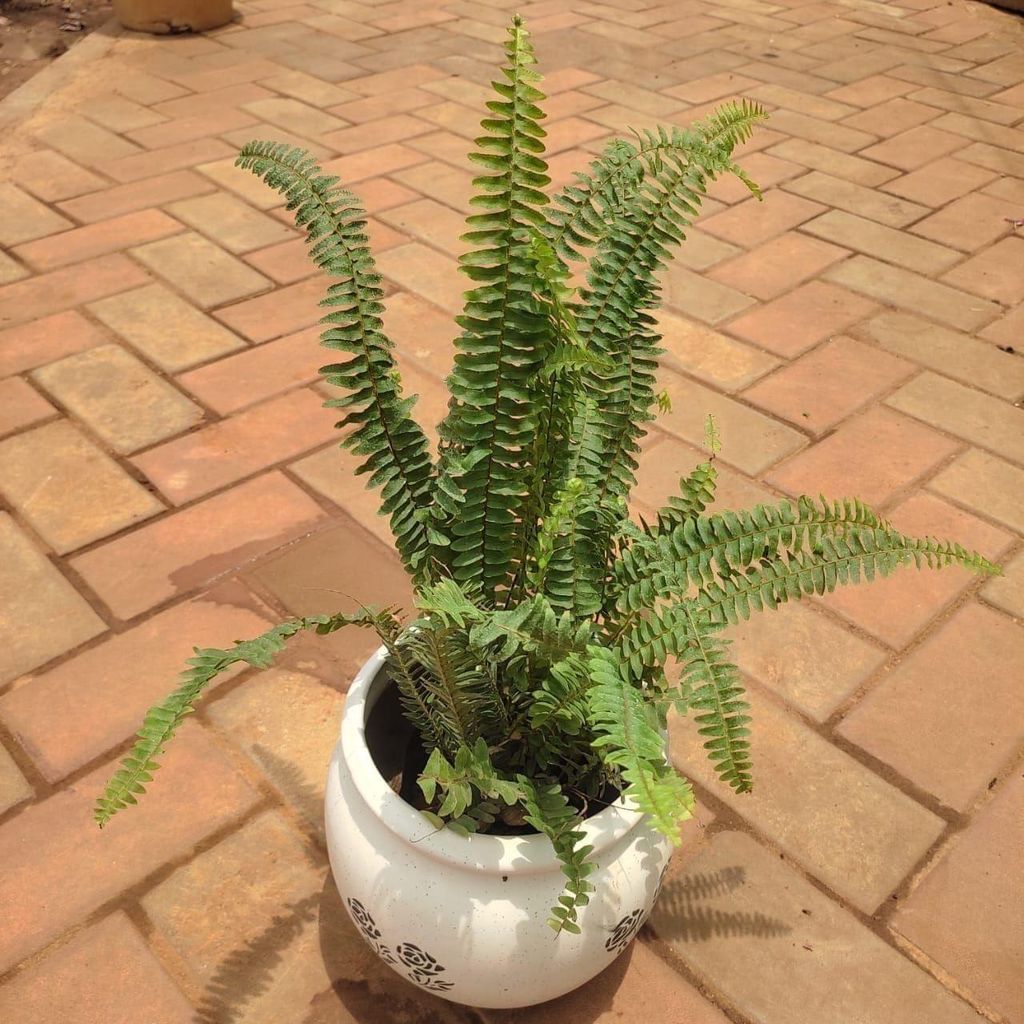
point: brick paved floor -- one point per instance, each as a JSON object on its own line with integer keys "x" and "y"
{"x": 168, "y": 478}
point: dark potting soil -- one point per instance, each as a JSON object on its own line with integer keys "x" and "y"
{"x": 399, "y": 756}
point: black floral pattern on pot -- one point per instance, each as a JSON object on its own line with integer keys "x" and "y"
{"x": 422, "y": 966}
{"x": 624, "y": 931}
{"x": 366, "y": 924}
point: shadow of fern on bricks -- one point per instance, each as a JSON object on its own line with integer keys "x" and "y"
{"x": 247, "y": 973}
{"x": 679, "y": 916}
{"x": 288, "y": 779}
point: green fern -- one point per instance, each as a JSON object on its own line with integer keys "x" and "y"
{"x": 627, "y": 735}
{"x": 163, "y": 720}
{"x": 396, "y": 450}
{"x": 506, "y": 337}
{"x": 536, "y": 670}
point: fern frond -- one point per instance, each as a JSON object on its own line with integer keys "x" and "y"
{"x": 702, "y": 548}
{"x": 163, "y": 720}
{"x": 395, "y": 449}
{"x": 627, "y": 735}
{"x": 506, "y": 337}
{"x": 549, "y": 812}
{"x": 863, "y": 554}
{"x": 561, "y": 700}
{"x": 716, "y": 693}
{"x": 696, "y": 493}
{"x": 584, "y": 209}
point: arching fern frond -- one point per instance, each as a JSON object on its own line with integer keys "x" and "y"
{"x": 163, "y": 720}
{"x": 394, "y": 448}
{"x": 696, "y": 493}
{"x": 862, "y": 554}
{"x": 702, "y": 548}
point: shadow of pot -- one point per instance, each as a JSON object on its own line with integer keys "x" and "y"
{"x": 163, "y": 17}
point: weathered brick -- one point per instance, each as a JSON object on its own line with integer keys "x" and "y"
{"x": 61, "y": 290}
{"x": 833, "y": 162}
{"x": 985, "y": 484}
{"x": 180, "y": 552}
{"x": 10, "y": 269}
{"x": 230, "y": 222}
{"x": 993, "y": 272}
{"x": 856, "y": 199}
{"x": 165, "y": 328}
{"x": 33, "y": 344}
{"x": 14, "y": 789}
{"x": 751, "y": 222}
{"x": 710, "y": 356}
{"x": 139, "y": 195}
{"x": 977, "y": 417}
{"x": 63, "y": 728}
{"x": 968, "y": 223}
{"x": 170, "y": 158}
{"x": 230, "y": 384}
{"x": 696, "y": 296}
{"x": 937, "y": 183}
{"x": 871, "y": 457}
{"x": 914, "y": 148}
{"x": 296, "y": 116}
{"x": 120, "y": 114}
{"x": 949, "y": 352}
{"x": 44, "y": 616}
{"x": 105, "y": 973}
{"x": 51, "y": 176}
{"x": 198, "y": 912}
{"x": 123, "y": 401}
{"x": 280, "y": 312}
{"x": 823, "y": 387}
{"x": 196, "y": 792}
{"x": 97, "y": 239}
{"x": 825, "y": 133}
{"x": 40, "y": 468}
{"x": 198, "y": 128}
{"x": 963, "y": 905}
{"x": 236, "y": 447}
{"x": 1007, "y": 591}
{"x": 874, "y": 239}
{"x": 924, "y": 718}
{"x": 897, "y": 608}
{"x": 430, "y": 222}
{"x": 870, "y": 91}
{"x": 290, "y": 750}
{"x": 202, "y": 270}
{"x": 801, "y": 777}
{"x": 427, "y": 273}
{"x": 421, "y": 331}
{"x": 899, "y": 287}
{"x": 741, "y": 919}
{"x": 452, "y": 186}
{"x": 84, "y": 142}
{"x": 891, "y": 117}
{"x": 778, "y": 265}
{"x": 21, "y": 406}
{"x": 805, "y": 657}
{"x": 794, "y": 322}
{"x": 756, "y": 441}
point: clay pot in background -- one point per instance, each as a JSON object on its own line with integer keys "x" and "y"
{"x": 164, "y": 16}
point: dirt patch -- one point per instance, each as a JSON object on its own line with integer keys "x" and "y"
{"x": 34, "y": 32}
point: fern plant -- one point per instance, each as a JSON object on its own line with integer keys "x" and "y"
{"x": 537, "y": 666}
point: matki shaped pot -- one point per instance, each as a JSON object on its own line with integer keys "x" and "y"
{"x": 466, "y": 917}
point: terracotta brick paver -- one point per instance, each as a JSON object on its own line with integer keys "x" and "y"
{"x": 168, "y": 479}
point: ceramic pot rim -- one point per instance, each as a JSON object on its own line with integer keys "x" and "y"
{"x": 496, "y": 854}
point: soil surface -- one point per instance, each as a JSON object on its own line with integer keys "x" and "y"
{"x": 34, "y": 32}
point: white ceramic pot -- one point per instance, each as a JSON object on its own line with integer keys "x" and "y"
{"x": 465, "y": 917}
